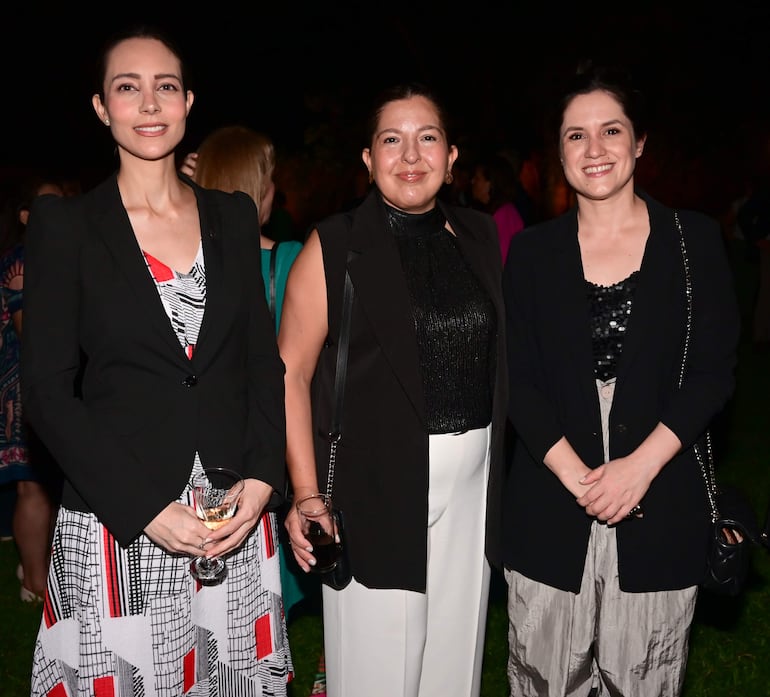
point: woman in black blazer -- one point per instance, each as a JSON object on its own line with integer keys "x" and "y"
{"x": 149, "y": 351}
{"x": 606, "y": 517}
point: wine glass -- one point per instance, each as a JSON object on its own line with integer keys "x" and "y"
{"x": 216, "y": 491}
{"x": 319, "y": 525}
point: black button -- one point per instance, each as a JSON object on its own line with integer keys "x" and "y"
{"x": 622, "y": 428}
{"x": 190, "y": 381}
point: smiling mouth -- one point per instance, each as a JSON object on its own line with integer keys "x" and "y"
{"x": 150, "y": 129}
{"x": 597, "y": 169}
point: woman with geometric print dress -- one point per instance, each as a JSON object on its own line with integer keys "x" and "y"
{"x": 149, "y": 352}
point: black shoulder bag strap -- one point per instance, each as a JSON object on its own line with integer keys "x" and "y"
{"x": 340, "y": 576}
{"x": 271, "y": 296}
{"x": 339, "y": 378}
{"x": 706, "y": 464}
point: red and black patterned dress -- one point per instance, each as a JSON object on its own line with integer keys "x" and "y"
{"x": 132, "y": 622}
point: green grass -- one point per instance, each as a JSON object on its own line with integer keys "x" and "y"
{"x": 730, "y": 641}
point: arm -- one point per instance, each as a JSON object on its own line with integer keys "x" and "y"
{"x": 529, "y": 406}
{"x": 566, "y": 464}
{"x": 709, "y": 379}
{"x": 266, "y": 453}
{"x": 264, "y": 458}
{"x": 302, "y": 333}
{"x": 13, "y": 288}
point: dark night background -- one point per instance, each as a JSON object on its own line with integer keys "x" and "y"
{"x": 302, "y": 73}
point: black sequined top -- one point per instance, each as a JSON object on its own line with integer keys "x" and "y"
{"x": 454, "y": 319}
{"x": 610, "y": 310}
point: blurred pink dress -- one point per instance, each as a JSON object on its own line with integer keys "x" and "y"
{"x": 509, "y": 222}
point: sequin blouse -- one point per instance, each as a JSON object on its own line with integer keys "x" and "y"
{"x": 610, "y": 311}
{"x": 454, "y": 319}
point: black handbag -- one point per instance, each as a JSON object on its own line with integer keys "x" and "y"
{"x": 734, "y": 532}
{"x": 339, "y": 577}
{"x": 734, "y": 526}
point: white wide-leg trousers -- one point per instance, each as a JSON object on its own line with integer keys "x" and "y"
{"x": 397, "y": 643}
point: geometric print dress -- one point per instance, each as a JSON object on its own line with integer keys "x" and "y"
{"x": 132, "y": 622}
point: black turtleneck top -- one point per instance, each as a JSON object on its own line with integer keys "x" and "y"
{"x": 454, "y": 320}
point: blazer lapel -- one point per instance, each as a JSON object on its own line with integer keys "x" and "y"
{"x": 477, "y": 257}
{"x": 381, "y": 290}
{"x": 661, "y": 262}
{"x": 211, "y": 239}
{"x": 571, "y": 318}
{"x": 114, "y": 227}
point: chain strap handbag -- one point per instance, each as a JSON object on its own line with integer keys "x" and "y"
{"x": 339, "y": 577}
{"x": 734, "y": 526}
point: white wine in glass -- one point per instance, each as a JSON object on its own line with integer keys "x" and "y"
{"x": 216, "y": 491}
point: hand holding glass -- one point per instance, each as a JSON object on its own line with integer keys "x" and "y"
{"x": 215, "y": 495}
{"x": 319, "y": 526}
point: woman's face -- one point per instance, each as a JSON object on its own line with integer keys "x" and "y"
{"x": 409, "y": 158}
{"x": 598, "y": 146}
{"x": 145, "y": 104}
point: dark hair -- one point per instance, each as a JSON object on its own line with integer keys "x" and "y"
{"x": 19, "y": 199}
{"x": 502, "y": 179}
{"x": 396, "y": 93}
{"x": 142, "y": 31}
{"x": 616, "y": 81}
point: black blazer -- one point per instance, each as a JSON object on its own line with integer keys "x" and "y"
{"x": 105, "y": 381}
{"x": 381, "y": 478}
{"x": 553, "y": 394}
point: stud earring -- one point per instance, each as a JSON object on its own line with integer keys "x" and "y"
{"x": 449, "y": 178}
{"x": 106, "y": 122}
